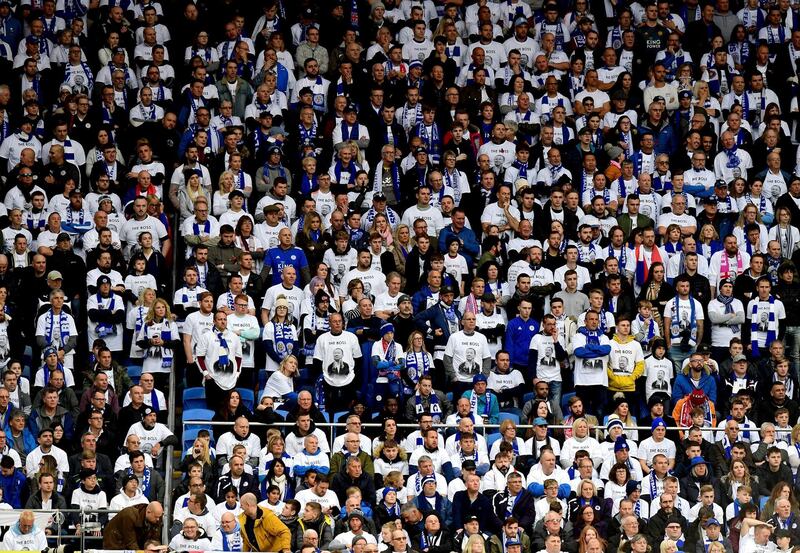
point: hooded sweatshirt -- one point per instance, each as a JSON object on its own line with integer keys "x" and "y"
{"x": 625, "y": 364}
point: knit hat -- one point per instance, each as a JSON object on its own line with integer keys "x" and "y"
{"x": 697, "y": 397}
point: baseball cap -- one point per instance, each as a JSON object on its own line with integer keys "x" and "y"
{"x": 103, "y": 279}
{"x": 62, "y": 236}
{"x": 402, "y": 298}
{"x": 739, "y": 357}
{"x": 479, "y": 378}
{"x": 540, "y": 421}
{"x": 54, "y": 275}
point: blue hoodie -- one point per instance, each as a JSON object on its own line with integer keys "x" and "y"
{"x": 684, "y": 386}
{"x": 12, "y": 487}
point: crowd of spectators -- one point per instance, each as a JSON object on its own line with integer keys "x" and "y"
{"x": 437, "y": 276}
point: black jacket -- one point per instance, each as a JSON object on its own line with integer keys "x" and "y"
{"x": 247, "y": 483}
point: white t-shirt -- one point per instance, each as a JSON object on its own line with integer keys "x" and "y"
{"x": 338, "y": 355}
{"x": 681, "y": 317}
{"x": 767, "y": 316}
{"x": 547, "y": 366}
{"x": 374, "y": 281}
{"x": 468, "y": 353}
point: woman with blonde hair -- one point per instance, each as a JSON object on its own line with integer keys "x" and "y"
{"x": 381, "y": 227}
{"x": 750, "y": 215}
{"x": 280, "y": 384}
{"x": 135, "y": 319}
{"x": 784, "y": 232}
{"x": 738, "y": 476}
{"x": 309, "y": 238}
{"x": 225, "y": 185}
{"x": 669, "y": 546}
{"x": 394, "y": 479}
{"x": 708, "y": 242}
{"x": 275, "y": 449}
{"x": 47, "y": 465}
{"x": 474, "y": 544}
{"x": 191, "y": 191}
{"x": 199, "y": 454}
{"x": 395, "y": 258}
{"x": 159, "y": 338}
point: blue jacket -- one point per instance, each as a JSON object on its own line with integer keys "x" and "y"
{"x": 663, "y": 136}
{"x": 684, "y": 386}
{"x": 13, "y": 33}
{"x": 444, "y": 508}
{"x": 518, "y": 339}
{"x": 28, "y": 440}
{"x": 432, "y": 318}
{"x": 12, "y": 487}
{"x": 494, "y": 404}
{"x": 470, "y": 248}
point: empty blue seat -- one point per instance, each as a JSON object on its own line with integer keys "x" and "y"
{"x": 503, "y": 416}
{"x": 197, "y": 415}
{"x": 248, "y": 397}
{"x": 491, "y": 439}
{"x": 528, "y": 397}
{"x": 194, "y": 398}
{"x": 135, "y": 372}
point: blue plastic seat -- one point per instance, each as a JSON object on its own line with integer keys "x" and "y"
{"x": 248, "y": 397}
{"x": 197, "y": 415}
{"x": 565, "y": 402}
{"x": 491, "y": 439}
{"x": 135, "y": 372}
{"x": 503, "y": 416}
{"x": 189, "y": 436}
{"x": 194, "y": 398}
{"x": 528, "y": 397}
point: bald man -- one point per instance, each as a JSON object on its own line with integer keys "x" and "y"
{"x": 261, "y": 529}
{"x": 25, "y": 535}
{"x": 133, "y": 526}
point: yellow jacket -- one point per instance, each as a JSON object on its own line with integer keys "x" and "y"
{"x": 623, "y": 379}
{"x": 271, "y": 533}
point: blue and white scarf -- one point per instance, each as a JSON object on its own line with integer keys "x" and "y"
{"x": 63, "y": 328}
{"x": 417, "y": 365}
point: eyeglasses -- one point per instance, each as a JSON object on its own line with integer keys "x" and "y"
{"x": 26, "y": 174}
{"x": 241, "y": 305}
